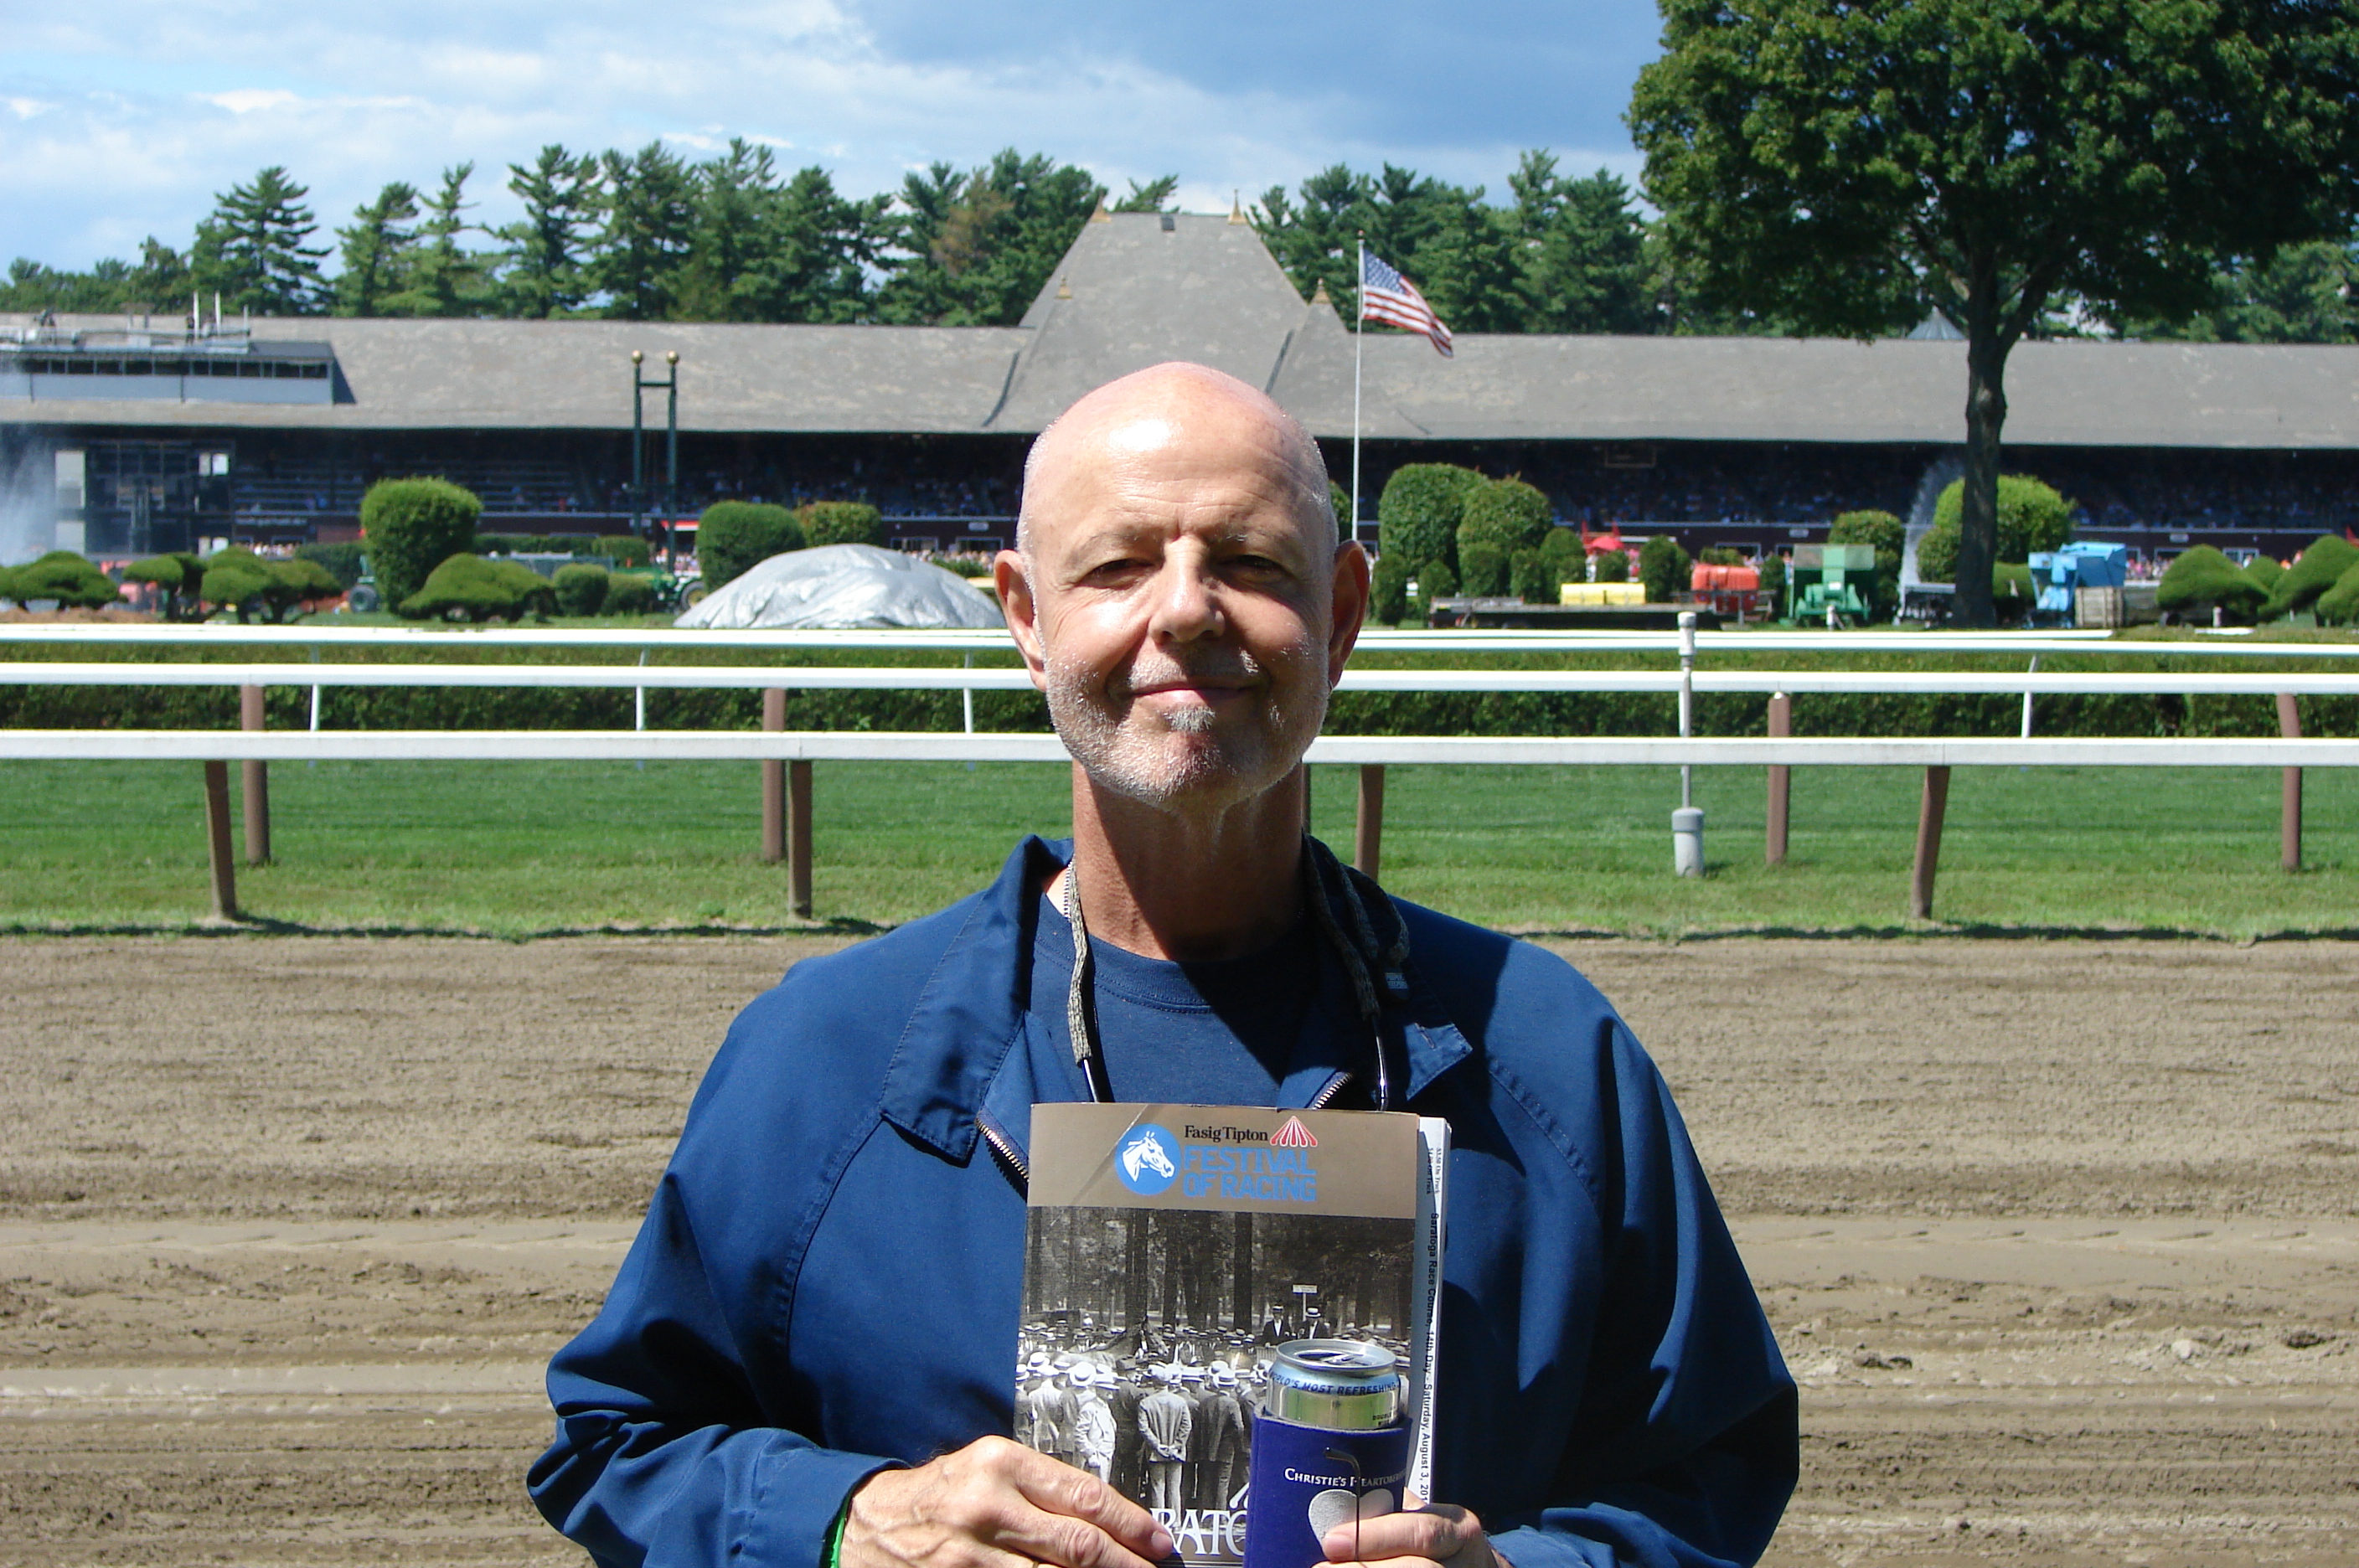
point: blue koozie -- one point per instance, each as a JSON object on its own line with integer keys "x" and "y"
{"x": 1329, "y": 1447}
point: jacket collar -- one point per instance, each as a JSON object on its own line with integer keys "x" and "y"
{"x": 970, "y": 1014}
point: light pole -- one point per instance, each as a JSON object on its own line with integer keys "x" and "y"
{"x": 641, "y": 383}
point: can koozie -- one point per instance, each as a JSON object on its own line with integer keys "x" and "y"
{"x": 1329, "y": 1447}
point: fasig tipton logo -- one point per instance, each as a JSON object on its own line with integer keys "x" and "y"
{"x": 1147, "y": 1159}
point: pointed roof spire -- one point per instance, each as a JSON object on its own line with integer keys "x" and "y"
{"x": 1101, "y": 215}
{"x": 1236, "y": 207}
{"x": 1319, "y": 295}
{"x": 1065, "y": 287}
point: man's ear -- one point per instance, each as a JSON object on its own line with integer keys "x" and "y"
{"x": 1011, "y": 573}
{"x": 1349, "y": 607}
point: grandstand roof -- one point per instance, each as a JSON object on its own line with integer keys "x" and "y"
{"x": 1138, "y": 288}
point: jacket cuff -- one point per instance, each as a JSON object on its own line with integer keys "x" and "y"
{"x": 1531, "y": 1547}
{"x": 797, "y": 1499}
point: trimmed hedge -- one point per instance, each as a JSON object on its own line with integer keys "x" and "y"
{"x": 628, "y": 593}
{"x": 1613, "y": 566}
{"x": 1507, "y": 515}
{"x": 2032, "y": 516}
{"x": 1482, "y": 570}
{"x": 179, "y": 576}
{"x": 1419, "y": 513}
{"x": 1389, "y": 589}
{"x": 61, "y": 575}
{"x": 2201, "y": 579}
{"x": 1663, "y": 567}
{"x": 481, "y": 590}
{"x": 839, "y": 522}
{"x": 1889, "y": 536}
{"x": 735, "y": 536}
{"x": 1367, "y": 713}
{"x": 580, "y": 589}
{"x": 1531, "y": 579}
{"x": 345, "y": 563}
{"x": 2319, "y": 567}
{"x": 1435, "y": 580}
{"x": 2338, "y": 605}
{"x": 413, "y": 525}
{"x": 237, "y": 579}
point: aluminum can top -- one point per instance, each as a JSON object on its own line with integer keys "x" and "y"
{"x": 1337, "y": 1385}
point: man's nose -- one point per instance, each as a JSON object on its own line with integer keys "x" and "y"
{"x": 1186, "y": 600}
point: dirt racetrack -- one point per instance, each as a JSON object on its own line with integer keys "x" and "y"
{"x": 2061, "y": 1238}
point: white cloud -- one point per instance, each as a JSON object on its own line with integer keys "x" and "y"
{"x": 139, "y": 113}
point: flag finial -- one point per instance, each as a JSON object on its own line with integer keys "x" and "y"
{"x": 1236, "y": 207}
{"x": 1319, "y": 295}
{"x": 1101, "y": 215}
{"x": 1065, "y": 287}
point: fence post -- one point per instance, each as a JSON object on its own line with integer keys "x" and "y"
{"x": 217, "y": 840}
{"x": 798, "y": 834}
{"x": 774, "y": 782}
{"x": 1928, "y": 843}
{"x": 255, "y": 779}
{"x": 1368, "y": 830}
{"x": 2289, "y": 823}
{"x": 1781, "y": 780}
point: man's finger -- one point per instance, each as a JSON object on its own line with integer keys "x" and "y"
{"x": 1059, "y": 1489}
{"x": 1436, "y": 1534}
{"x": 1066, "y": 1540}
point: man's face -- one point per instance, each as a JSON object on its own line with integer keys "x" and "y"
{"x": 1183, "y": 616}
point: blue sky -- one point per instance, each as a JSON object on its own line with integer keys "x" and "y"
{"x": 120, "y": 118}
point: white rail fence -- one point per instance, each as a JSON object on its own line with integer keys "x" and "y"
{"x": 786, "y": 757}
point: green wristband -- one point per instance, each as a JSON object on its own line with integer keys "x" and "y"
{"x": 832, "y": 1557}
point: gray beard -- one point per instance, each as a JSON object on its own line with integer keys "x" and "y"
{"x": 1124, "y": 752}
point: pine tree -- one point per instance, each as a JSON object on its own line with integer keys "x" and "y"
{"x": 378, "y": 251}
{"x": 251, "y": 248}
{"x": 649, "y": 214}
{"x": 977, "y": 249}
{"x": 543, "y": 273}
{"x": 443, "y": 279}
{"x": 1584, "y": 251}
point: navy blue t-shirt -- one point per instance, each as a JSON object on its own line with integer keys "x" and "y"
{"x": 1224, "y": 1033}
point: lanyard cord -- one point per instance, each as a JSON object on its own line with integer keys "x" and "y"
{"x": 1080, "y": 1019}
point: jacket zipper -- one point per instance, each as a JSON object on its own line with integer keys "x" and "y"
{"x": 1004, "y": 1147}
{"x": 1327, "y": 1092}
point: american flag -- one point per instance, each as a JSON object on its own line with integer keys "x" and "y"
{"x": 1386, "y": 296}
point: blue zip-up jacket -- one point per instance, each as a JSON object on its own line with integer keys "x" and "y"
{"x": 828, "y": 1277}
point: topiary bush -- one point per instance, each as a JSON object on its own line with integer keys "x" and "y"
{"x": 413, "y": 525}
{"x": 1663, "y": 567}
{"x": 2032, "y": 516}
{"x": 1339, "y": 500}
{"x": 839, "y": 522}
{"x": 2318, "y": 568}
{"x": 61, "y": 575}
{"x": 1435, "y": 580}
{"x": 2265, "y": 570}
{"x": 624, "y": 550}
{"x": 2202, "y": 579}
{"x": 735, "y": 536}
{"x": 2338, "y": 605}
{"x": 1565, "y": 555}
{"x": 344, "y": 563}
{"x": 1482, "y": 571}
{"x": 1613, "y": 566}
{"x": 1389, "y": 589}
{"x": 1505, "y": 514}
{"x": 1419, "y": 513}
{"x": 477, "y": 589}
{"x": 1531, "y": 579}
{"x": 1937, "y": 555}
{"x": 628, "y": 593}
{"x": 177, "y": 577}
{"x": 1889, "y": 536}
{"x": 580, "y": 590}
{"x": 2013, "y": 592}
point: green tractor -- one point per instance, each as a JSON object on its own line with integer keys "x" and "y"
{"x": 1831, "y": 583}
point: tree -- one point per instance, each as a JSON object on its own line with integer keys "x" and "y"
{"x": 977, "y": 248}
{"x": 1584, "y": 251}
{"x": 443, "y": 279}
{"x": 63, "y": 576}
{"x": 378, "y": 251}
{"x": 1829, "y": 164}
{"x": 251, "y": 249}
{"x": 2306, "y": 293}
{"x": 768, "y": 250}
{"x": 650, "y": 216}
{"x": 1461, "y": 251}
{"x": 1155, "y": 196}
{"x": 544, "y": 273}
{"x": 735, "y": 536}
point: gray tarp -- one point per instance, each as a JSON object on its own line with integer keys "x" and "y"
{"x": 846, "y": 585}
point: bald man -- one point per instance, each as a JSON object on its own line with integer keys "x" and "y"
{"x": 804, "y": 1359}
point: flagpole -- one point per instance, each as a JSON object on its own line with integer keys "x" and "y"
{"x": 1359, "y": 335}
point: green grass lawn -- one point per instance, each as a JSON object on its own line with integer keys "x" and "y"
{"x": 516, "y": 849}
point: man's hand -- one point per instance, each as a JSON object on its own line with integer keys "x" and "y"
{"x": 1441, "y": 1536}
{"x": 996, "y": 1504}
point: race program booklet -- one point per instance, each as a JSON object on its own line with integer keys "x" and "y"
{"x": 1170, "y": 1249}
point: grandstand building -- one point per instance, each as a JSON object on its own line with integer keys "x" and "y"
{"x": 157, "y": 434}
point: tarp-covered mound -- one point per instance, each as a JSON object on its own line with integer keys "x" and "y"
{"x": 846, "y": 585}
